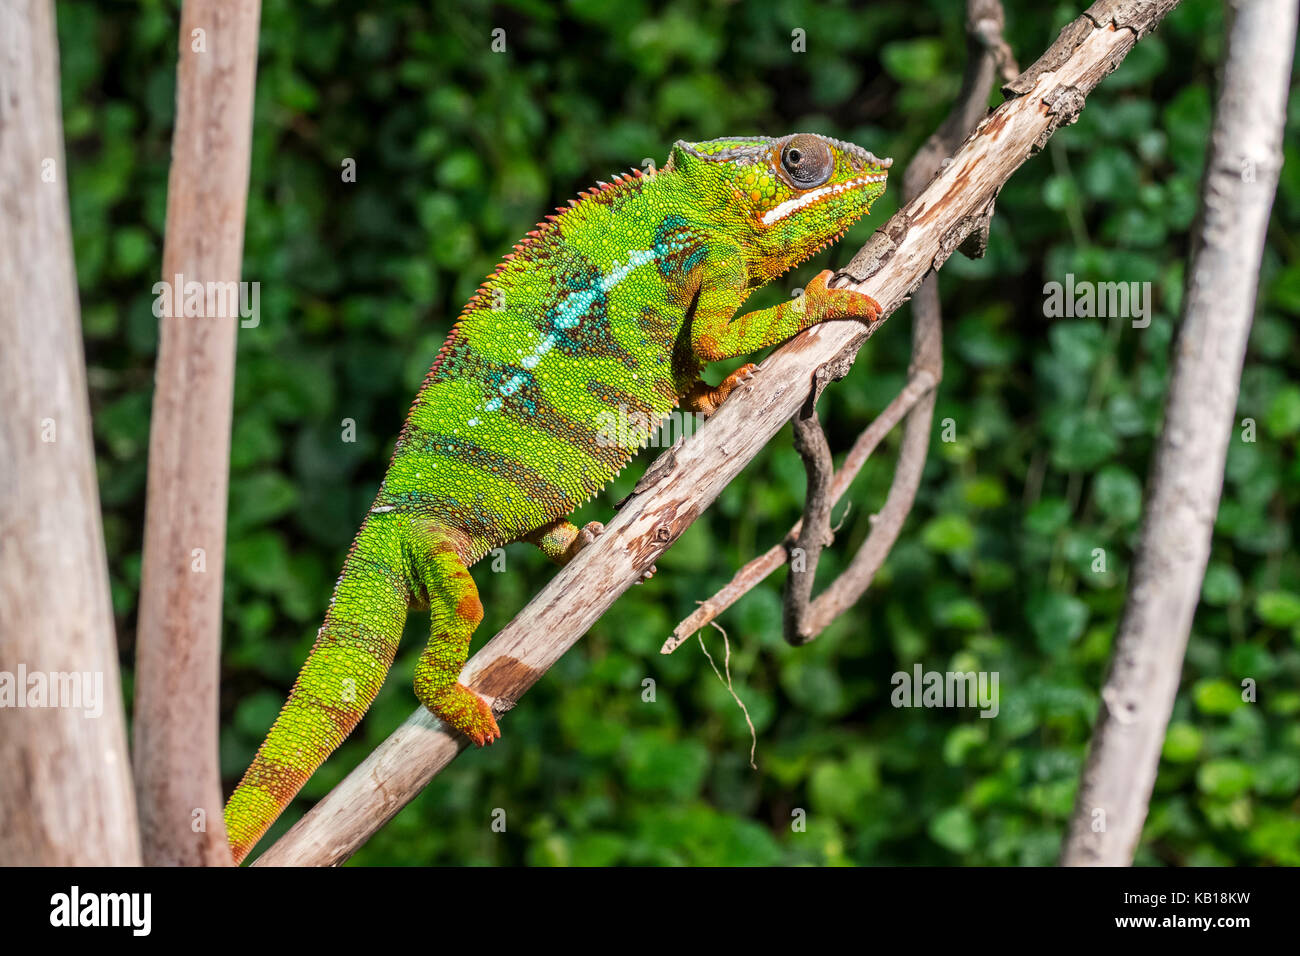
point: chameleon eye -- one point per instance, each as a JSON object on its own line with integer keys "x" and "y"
{"x": 807, "y": 160}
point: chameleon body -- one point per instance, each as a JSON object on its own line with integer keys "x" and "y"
{"x": 614, "y": 304}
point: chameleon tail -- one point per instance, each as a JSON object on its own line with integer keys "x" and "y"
{"x": 353, "y": 652}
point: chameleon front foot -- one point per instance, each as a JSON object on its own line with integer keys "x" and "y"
{"x": 823, "y": 302}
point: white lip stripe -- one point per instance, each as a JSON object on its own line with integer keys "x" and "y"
{"x": 790, "y": 205}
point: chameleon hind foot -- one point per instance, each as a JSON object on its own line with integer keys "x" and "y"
{"x": 589, "y": 534}
{"x": 561, "y": 540}
{"x": 590, "y": 531}
{"x": 461, "y": 709}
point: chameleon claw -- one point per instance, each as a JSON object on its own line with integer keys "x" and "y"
{"x": 487, "y": 731}
{"x": 707, "y": 399}
{"x": 489, "y": 734}
{"x": 741, "y": 376}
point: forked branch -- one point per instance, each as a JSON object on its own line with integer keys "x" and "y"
{"x": 804, "y": 619}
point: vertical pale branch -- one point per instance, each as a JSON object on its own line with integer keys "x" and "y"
{"x": 1187, "y": 475}
{"x": 65, "y": 787}
{"x": 178, "y": 785}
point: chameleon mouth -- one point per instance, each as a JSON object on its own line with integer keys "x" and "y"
{"x": 778, "y": 213}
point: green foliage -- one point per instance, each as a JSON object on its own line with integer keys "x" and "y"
{"x": 458, "y": 152}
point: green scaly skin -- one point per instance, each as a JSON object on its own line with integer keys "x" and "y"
{"x": 611, "y": 307}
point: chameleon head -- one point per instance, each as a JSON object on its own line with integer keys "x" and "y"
{"x": 783, "y": 199}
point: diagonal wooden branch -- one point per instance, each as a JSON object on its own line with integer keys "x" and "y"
{"x": 687, "y": 478}
{"x": 1241, "y": 175}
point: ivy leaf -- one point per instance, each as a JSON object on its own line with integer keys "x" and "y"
{"x": 913, "y": 61}
{"x": 1118, "y": 494}
{"x": 948, "y": 533}
{"x": 954, "y": 829}
{"x": 1216, "y": 697}
{"x": 1057, "y": 620}
{"x": 1222, "y": 585}
{"x": 1278, "y": 608}
{"x": 1224, "y": 779}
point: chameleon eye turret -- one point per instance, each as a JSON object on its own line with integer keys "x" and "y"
{"x": 807, "y": 161}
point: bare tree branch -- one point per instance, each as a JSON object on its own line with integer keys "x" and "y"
{"x": 919, "y": 384}
{"x": 1241, "y": 175}
{"x": 686, "y": 479}
{"x": 815, "y": 529}
{"x": 887, "y": 524}
{"x": 65, "y": 787}
{"x": 178, "y": 640}
{"x": 803, "y": 621}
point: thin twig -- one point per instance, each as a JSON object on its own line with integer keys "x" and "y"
{"x": 815, "y": 534}
{"x": 726, "y": 682}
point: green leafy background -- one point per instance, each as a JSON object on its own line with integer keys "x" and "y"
{"x": 459, "y": 151}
